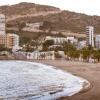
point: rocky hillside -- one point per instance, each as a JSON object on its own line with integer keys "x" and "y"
{"x": 26, "y": 10}
{"x": 54, "y": 17}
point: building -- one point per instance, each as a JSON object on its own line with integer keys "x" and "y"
{"x": 2, "y": 24}
{"x": 72, "y": 39}
{"x": 3, "y": 39}
{"x": 50, "y": 55}
{"x": 81, "y": 44}
{"x": 33, "y": 27}
{"x": 13, "y": 41}
{"x": 97, "y": 41}
{"x": 61, "y": 40}
{"x": 90, "y": 35}
{"x": 10, "y": 41}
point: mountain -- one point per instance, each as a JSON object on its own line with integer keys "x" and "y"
{"x": 24, "y": 9}
{"x": 57, "y": 19}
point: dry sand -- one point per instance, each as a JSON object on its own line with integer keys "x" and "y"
{"x": 89, "y": 71}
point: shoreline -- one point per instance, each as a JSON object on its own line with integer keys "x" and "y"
{"x": 88, "y": 71}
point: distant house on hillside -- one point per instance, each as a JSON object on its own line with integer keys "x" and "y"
{"x": 61, "y": 40}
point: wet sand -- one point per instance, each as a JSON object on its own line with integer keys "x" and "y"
{"x": 89, "y": 71}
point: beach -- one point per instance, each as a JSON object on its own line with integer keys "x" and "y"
{"x": 89, "y": 71}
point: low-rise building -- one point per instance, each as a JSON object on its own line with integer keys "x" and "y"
{"x": 33, "y": 27}
{"x": 61, "y": 40}
{"x": 41, "y": 55}
{"x": 82, "y": 44}
{"x": 72, "y": 39}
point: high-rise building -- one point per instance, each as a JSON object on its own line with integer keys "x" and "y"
{"x": 8, "y": 40}
{"x": 2, "y": 24}
{"x": 97, "y": 41}
{"x": 13, "y": 41}
{"x": 90, "y": 35}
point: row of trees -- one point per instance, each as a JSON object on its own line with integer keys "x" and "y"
{"x": 84, "y": 54}
{"x": 72, "y": 53}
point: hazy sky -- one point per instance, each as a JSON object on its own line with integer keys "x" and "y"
{"x": 84, "y": 6}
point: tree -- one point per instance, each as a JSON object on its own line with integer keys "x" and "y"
{"x": 46, "y": 44}
{"x": 74, "y": 54}
{"x": 68, "y": 48}
{"x": 86, "y": 54}
{"x": 28, "y": 48}
{"x": 96, "y": 55}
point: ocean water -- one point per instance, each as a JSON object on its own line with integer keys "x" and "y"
{"x": 35, "y": 81}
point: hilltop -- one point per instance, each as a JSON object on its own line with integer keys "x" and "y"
{"x": 55, "y": 19}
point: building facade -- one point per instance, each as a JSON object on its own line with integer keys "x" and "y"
{"x": 50, "y": 55}
{"x": 90, "y": 35}
{"x": 2, "y": 24}
{"x": 13, "y": 41}
{"x": 3, "y": 40}
{"x": 10, "y": 41}
{"x": 61, "y": 40}
{"x": 97, "y": 41}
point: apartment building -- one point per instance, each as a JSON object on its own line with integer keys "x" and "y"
{"x": 13, "y": 41}
{"x": 90, "y": 35}
{"x": 8, "y": 40}
{"x": 2, "y": 24}
{"x": 97, "y": 41}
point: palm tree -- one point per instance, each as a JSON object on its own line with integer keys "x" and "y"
{"x": 74, "y": 55}
{"x": 96, "y": 55}
{"x": 86, "y": 54}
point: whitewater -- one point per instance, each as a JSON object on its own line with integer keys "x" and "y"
{"x": 25, "y": 80}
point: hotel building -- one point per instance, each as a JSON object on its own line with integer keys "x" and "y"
{"x": 8, "y": 40}
{"x": 90, "y": 35}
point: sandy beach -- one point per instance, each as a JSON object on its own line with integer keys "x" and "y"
{"x": 89, "y": 71}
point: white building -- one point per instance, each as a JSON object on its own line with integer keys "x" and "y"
{"x": 97, "y": 41}
{"x": 41, "y": 55}
{"x": 57, "y": 40}
{"x": 61, "y": 40}
{"x": 81, "y": 44}
{"x": 72, "y": 39}
{"x": 90, "y": 35}
{"x": 2, "y": 24}
{"x": 33, "y": 27}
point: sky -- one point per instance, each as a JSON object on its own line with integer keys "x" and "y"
{"x": 90, "y": 7}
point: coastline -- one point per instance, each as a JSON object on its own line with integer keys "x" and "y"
{"x": 88, "y": 71}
